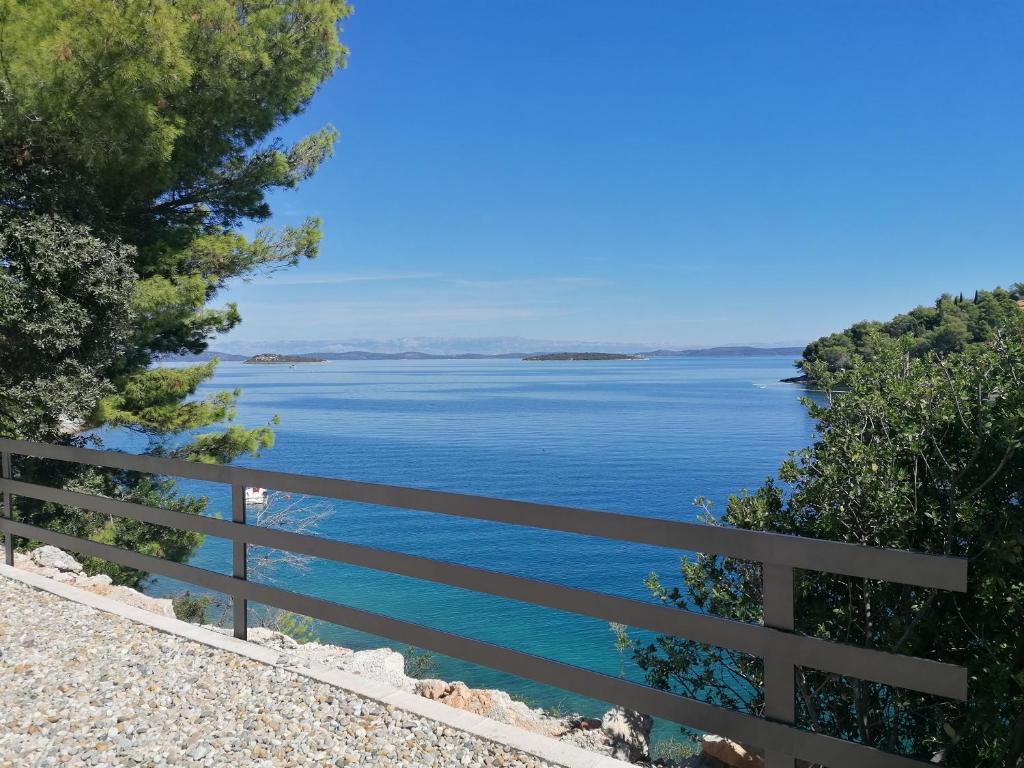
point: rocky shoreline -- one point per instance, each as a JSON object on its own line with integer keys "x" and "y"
{"x": 621, "y": 734}
{"x": 803, "y": 378}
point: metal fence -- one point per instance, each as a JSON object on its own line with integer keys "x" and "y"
{"x": 782, "y": 649}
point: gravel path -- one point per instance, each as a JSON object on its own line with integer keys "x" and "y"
{"x": 79, "y": 687}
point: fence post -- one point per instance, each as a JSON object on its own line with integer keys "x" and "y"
{"x": 239, "y": 566}
{"x": 8, "y": 507}
{"x": 779, "y": 671}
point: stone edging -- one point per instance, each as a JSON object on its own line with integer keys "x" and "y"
{"x": 534, "y": 744}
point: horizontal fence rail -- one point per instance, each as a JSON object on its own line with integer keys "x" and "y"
{"x": 775, "y": 641}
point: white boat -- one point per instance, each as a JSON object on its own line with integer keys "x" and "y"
{"x": 255, "y": 497}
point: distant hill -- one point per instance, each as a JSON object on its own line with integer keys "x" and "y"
{"x": 445, "y": 346}
{"x": 457, "y": 346}
{"x": 744, "y": 351}
{"x": 567, "y": 356}
{"x": 709, "y": 352}
{"x": 362, "y": 355}
{"x": 727, "y": 352}
{"x": 271, "y": 358}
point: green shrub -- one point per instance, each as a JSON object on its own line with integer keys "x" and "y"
{"x": 419, "y": 663}
{"x": 193, "y": 609}
{"x": 914, "y": 453}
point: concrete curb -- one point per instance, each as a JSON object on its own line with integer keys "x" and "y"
{"x": 534, "y": 744}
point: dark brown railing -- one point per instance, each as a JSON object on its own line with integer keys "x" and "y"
{"x": 781, "y": 648}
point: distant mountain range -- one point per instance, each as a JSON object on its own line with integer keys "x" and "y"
{"x": 361, "y": 354}
{"x": 727, "y": 352}
{"x": 455, "y": 346}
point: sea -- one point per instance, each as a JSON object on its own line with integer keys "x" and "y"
{"x": 643, "y": 437}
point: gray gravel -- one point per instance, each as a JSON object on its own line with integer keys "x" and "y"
{"x": 81, "y": 687}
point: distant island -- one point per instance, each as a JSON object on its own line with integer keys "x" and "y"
{"x": 726, "y": 352}
{"x": 269, "y": 358}
{"x": 560, "y": 356}
{"x": 318, "y": 357}
{"x": 413, "y": 355}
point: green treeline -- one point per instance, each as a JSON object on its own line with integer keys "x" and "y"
{"x": 137, "y": 141}
{"x": 914, "y": 449}
{"x": 953, "y": 324}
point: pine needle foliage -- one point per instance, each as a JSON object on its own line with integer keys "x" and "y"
{"x": 136, "y": 138}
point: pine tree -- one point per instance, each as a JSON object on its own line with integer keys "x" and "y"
{"x": 147, "y": 128}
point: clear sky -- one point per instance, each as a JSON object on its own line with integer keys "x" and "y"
{"x": 655, "y": 171}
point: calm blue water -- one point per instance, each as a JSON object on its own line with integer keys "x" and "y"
{"x": 637, "y": 437}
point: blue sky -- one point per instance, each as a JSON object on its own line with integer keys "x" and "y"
{"x": 660, "y": 172}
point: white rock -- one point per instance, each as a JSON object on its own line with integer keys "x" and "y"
{"x": 587, "y": 734}
{"x": 129, "y": 596}
{"x": 51, "y": 557}
{"x": 99, "y": 580}
{"x": 381, "y": 664}
{"x": 272, "y": 638}
{"x": 630, "y": 733}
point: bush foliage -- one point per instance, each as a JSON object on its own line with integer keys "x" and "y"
{"x": 914, "y": 451}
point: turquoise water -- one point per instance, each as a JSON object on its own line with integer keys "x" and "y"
{"x": 638, "y": 437}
